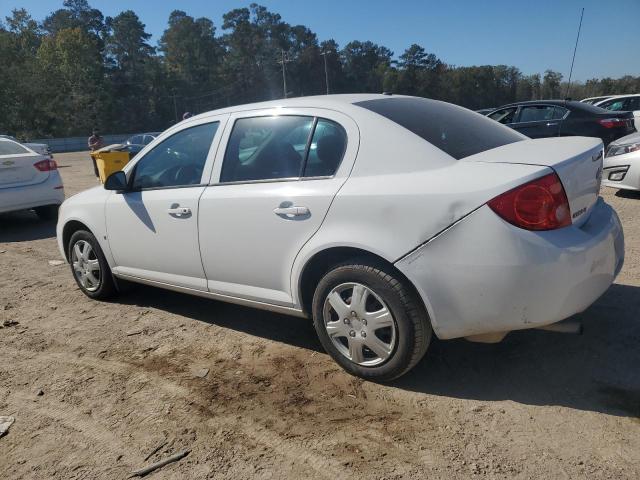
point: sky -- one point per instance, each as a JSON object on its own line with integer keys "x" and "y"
{"x": 532, "y": 35}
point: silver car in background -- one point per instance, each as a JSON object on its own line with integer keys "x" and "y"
{"x": 621, "y": 168}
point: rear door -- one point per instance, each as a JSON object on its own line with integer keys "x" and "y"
{"x": 19, "y": 166}
{"x": 539, "y": 121}
{"x": 271, "y": 188}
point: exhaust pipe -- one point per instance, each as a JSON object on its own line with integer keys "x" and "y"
{"x": 564, "y": 327}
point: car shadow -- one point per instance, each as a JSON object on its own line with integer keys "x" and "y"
{"x": 260, "y": 323}
{"x": 596, "y": 371}
{"x": 23, "y": 226}
{"x": 628, "y": 194}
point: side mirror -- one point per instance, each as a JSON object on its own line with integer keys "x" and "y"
{"x": 116, "y": 181}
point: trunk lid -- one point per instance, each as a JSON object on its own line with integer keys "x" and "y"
{"x": 18, "y": 170}
{"x": 576, "y": 160}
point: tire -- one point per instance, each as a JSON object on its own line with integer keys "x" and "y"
{"x": 47, "y": 212}
{"x": 95, "y": 261}
{"x": 397, "y": 341}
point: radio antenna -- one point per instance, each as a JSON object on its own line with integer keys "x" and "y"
{"x": 574, "y": 54}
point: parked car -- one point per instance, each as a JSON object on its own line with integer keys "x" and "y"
{"x": 136, "y": 143}
{"x": 592, "y": 100}
{"x": 362, "y": 212}
{"x": 622, "y": 163}
{"x": 553, "y": 118}
{"x": 41, "y": 148}
{"x": 627, "y": 103}
{"x": 28, "y": 180}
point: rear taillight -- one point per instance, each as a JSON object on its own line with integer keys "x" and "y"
{"x": 538, "y": 205}
{"x": 613, "y": 122}
{"x": 46, "y": 165}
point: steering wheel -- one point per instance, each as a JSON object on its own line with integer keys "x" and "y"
{"x": 188, "y": 174}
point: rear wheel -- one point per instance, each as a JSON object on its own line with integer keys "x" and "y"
{"x": 47, "y": 212}
{"x": 89, "y": 266}
{"x": 370, "y": 321}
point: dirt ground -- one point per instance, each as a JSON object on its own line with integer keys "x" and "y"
{"x": 97, "y": 387}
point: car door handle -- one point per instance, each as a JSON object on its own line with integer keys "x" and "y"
{"x": 552, "y": 124}
{"x": 292, "y": 211}
{"x": 179, "y": 211}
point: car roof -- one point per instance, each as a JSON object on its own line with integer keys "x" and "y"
{"x": 615, "y": 97}
{"x": 570, "y": 104}
{"x": 316, "y": 101}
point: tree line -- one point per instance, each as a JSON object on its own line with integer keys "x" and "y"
{"x": 78, "y": 70}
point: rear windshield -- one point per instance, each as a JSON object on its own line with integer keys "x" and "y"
{"x": 455, "y": 130}
{"x": 11, "y": 148}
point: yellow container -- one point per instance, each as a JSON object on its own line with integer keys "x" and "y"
{"x": 109, "y": 161}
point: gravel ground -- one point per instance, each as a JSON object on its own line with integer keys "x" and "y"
{"x": 97, "y": 387}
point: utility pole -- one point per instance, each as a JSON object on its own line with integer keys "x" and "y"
{"x": 285, "y": 59}
{"x": 566, "y": 95}
{"x": 326, "y": 72}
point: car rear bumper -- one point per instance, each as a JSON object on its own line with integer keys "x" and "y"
{"x": 30, "y": 196}
{"x": 484, "y": 275}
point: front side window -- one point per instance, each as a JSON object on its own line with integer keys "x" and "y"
{"x": 504, "y": 116}
{"x": 177, "y": 161}
{"x": 536, "y": 113}
{"x": 615, "y": 105}
{"x": 266, "y": 148}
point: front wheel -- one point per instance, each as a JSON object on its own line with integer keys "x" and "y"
{"x": 370, "y": 321}
{"x": 89, "y": 266}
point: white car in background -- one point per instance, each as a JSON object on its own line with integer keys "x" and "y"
{"x": 384, "y": 218}
{"x": 28, "y": 180}
{"x": 41, "y": 148}
{"x": 623, "y": 103}
{"x": 622, "y": 163}
{"x": 593, "y": 100}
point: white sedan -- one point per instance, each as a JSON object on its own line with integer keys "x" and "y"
{"x": 622, "y": 163}
{"x": 28, "y": 180}
{"x": 384, "y": 218}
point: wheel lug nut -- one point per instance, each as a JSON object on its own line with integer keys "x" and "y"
{"x": 352, "y": 333}
{"x": 363, "y": 333}
{"x": 353, "y": 314}
{"x": 364, "y": 321}
{"x": 346, "y": 320}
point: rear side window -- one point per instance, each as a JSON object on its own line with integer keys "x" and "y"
{"x": 326, "y": 150}
{"x": 284, "y": 146}
{"x": 11, "y": 148}
{"x": 455, "y": 130}
{"x": 537, "y": 113}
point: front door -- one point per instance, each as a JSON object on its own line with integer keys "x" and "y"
{"x": 152, "y": 228}
{"x": 271, "y": 193}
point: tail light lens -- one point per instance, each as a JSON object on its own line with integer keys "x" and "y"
{"x": 613, "y": 122}
{"x": 538, "y": 205}
{"x": 46, "y": 165}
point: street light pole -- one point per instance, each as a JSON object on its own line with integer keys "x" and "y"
{"x": 326, "y": 72}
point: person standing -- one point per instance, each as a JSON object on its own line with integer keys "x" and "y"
{"x": 95, "y": 143}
